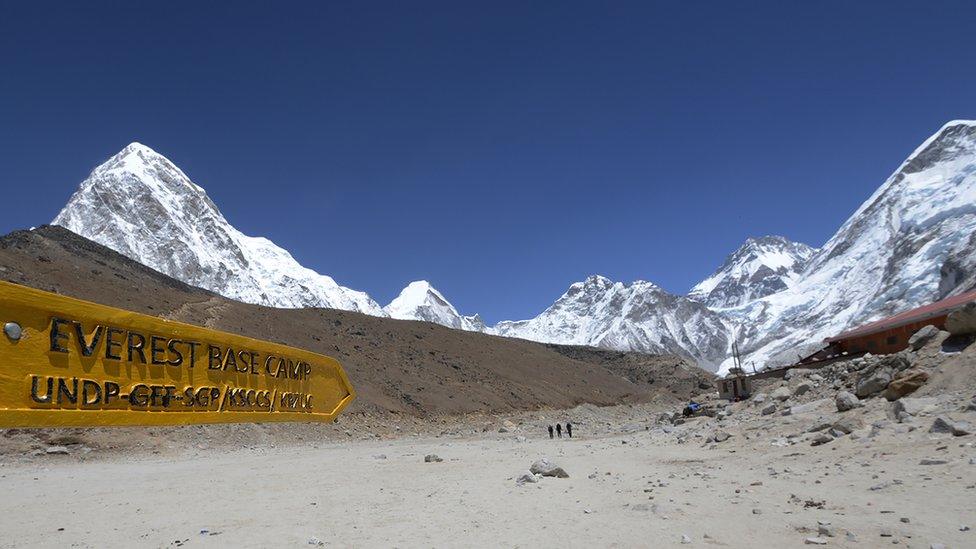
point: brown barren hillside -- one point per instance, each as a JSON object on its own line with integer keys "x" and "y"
{"x": 417, "y": 368}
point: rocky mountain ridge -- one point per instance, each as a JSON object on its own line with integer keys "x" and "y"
{"x": 913, "y": 241}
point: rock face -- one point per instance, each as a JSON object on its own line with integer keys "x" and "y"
{"x": 141, "y": 205}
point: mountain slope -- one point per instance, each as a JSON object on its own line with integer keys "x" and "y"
{"x": 628, "y": 317}
{"x": 411, "y": 368}
{"x": 141, "y": 205}
{"x": 421, "y": 301}
{"x": 909, "y": 244}
{"x": 760, "y": 267}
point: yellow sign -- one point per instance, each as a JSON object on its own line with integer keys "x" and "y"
{"x": 66, "y": 362}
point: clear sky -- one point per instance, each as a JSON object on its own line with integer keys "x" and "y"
{"x": 501, "y": 150}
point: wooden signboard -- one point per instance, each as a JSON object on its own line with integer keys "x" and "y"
{"x": 70, "y": 363}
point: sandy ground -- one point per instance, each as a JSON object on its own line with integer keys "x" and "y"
{"x": 625, "y": 490}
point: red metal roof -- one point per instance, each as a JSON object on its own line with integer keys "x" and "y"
{"x": 931, "y": 310}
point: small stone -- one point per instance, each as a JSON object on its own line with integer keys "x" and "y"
{"x": 721, "y": 436}
{"x": 315, "y": 541}
{"x": 769, "y": 409}
{"x": 847, "y": 424}
{"x": 433, "y": 458}
{"x": 822, "y": 438}
{"x": 846, "y": 401}
{"x": 885, "y": 533}
{"x": 526, "y": 478}
{"x": 825, "y": 530}
{"x": 548, "y": 469}
{"x": 905, "y": 520}
{"x": 685, "y": 538}
{"x": 802, "y": 389}
{"x": 815, "y": 541}
{"x": 933, "y": 462}
{"x": 57, "y": 450}
{"x": 757, "y": 511}
{"x": 781, "y": 394}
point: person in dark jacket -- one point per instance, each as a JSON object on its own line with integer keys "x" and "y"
{"x": 569, "y": 429}
{"x": 550, "y": 431}
{"x": 559, "y": 430}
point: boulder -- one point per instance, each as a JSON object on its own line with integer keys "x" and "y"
{"x": 822, "y": 438}
{"x": 945, "y": 424}
{"x": 781, "y": 393}
{"x": 796, "y": 372}
{"x": 847, "y": 424}
{"x": 962, "y": 321}
{"x": 759, "y": 398}
{"x": 806, "y": 408}
{"x": 846, "y": 401}
{"x": 905, "y": 383}
{"x": 873, "y": 381}
{"x": 768, "y": 409}
{"x": 720, "y": 436}
{"x": 920, "y": 338}
{"x": 913, "y": 406}
{"x": 802, "y": 389}
{"x": 546, "y": 468}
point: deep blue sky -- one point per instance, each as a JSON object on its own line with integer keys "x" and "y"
{"x": 501, "y": 150}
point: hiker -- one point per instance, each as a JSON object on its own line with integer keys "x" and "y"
{"x": 559, "y": 430}
{"x": 569, "y": 429}
{"x": 550, "y": 431}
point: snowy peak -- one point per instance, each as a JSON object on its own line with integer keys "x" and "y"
{"x": 639, "y": 316}
{"x": 141, "y": 205}
{"x": 910, "y": 243}
{"x": 760, "y": 267}
{"x": 421, "y": 301}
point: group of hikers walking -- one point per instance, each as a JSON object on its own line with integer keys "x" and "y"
{"x": 559, "y": 430}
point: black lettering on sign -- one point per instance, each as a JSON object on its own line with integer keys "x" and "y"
{"x": 57, "y": 336}
{"x": 214, "y": 353}
{"x": 71, "y": 395}
{"x": 91, "y": 392}
{"x": 38, "y": 398}
{"x": 87, "y": 349}
{"x": 193, "y": 352}
{"x": 139, "y": 395}
{"x": 173, "y": 351}
{"x": 137, "y": 342}
{"x": 111, "y": 344}
{"x": 156, "y": 349}
{"x": 111, "y": 390}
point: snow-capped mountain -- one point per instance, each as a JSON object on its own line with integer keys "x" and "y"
{"x": 760, "y": 267}
{"x": 421, "y": 301}
{"x": 630, "y": 317}
{"x": 141, "y": 205}
{"x": 912, "y": 242}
